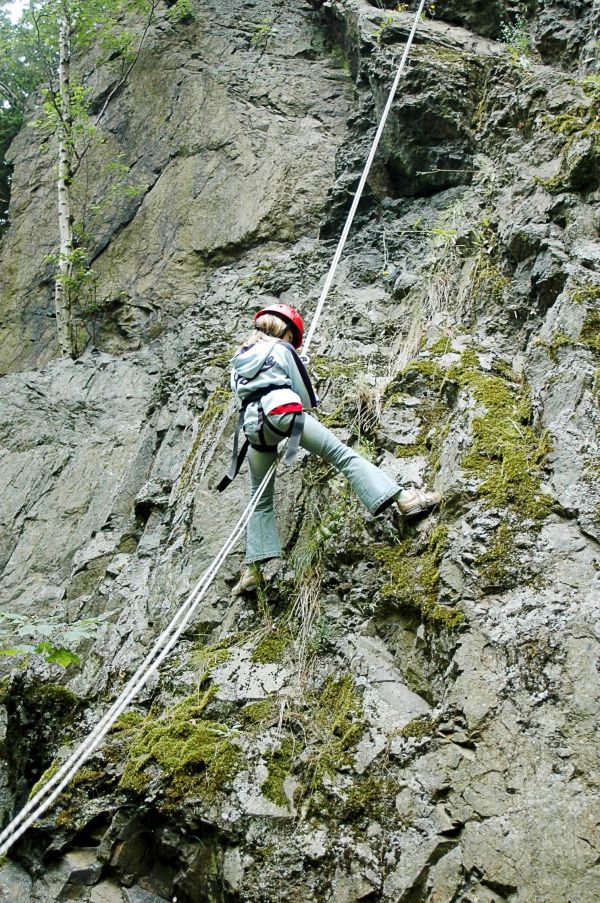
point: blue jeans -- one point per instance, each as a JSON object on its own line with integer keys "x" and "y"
{"x": 372, "y": 486}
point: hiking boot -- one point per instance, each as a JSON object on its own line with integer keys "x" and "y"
{"x": 249, "y": 581}
{"x": 416, "y": 501}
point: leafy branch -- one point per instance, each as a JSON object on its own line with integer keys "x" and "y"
{"x": 22, "y": 637}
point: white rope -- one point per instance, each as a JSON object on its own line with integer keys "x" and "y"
{"x": 48, "y": 793}
{"x": 362, "y": 183}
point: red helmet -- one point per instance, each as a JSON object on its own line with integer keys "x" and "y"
{"x": 291, "y": 317}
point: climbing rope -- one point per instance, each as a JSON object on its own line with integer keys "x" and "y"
{"x": 363, "y": 181}
{"x": 54, "y": 786}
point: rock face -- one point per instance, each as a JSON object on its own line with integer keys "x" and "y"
{"x": 409, "y": 710}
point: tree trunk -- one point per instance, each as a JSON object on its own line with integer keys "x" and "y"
{"x": 62, "y": 289}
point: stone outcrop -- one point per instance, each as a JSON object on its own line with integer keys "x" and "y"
{"x": 408, "y": 711}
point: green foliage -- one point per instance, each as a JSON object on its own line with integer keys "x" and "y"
{"x": 34, "y": 45}
{"x": 499, "y": 565}
{"x": 21, "y": 71}
{"x": 182, "y": 11}
{"x": 590, "y": 331}
{"x": 418, "y": 728}
{"x": 382, "y": 28}
{"x": 52, "y": 639}
{"x": 518, "y": 39}
{"x": 280, "y": 765}
{"x": 262, "y": 33}
{"x": 581, "y": 121}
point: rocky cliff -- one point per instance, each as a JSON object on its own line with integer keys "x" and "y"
{"x": 408, "y": 712}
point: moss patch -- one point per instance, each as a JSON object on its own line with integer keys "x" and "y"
{"x": 261, "y": 712}
{"x": 280, "y": 764}
{"x": 45, "y": 777}
{"x": 215, "y": 407}
{"x": 413, "y": 579}
{"x": 579, "y": 123}
{"x": 371, "y": 796}
{"x": 500, "y": 566}
{"x": 272, "y": 647}
{"x": 419, "y": 728}
{"x": 323, "y": 367}
{"x": 182, "y": 753}
{"x": 506, "y": 455}
{"x": 590, "y": 331}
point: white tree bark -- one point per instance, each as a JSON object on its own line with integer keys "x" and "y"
{"x": 62, "y": 293}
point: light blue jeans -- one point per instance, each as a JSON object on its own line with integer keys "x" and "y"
{"x": 375, "y": 490}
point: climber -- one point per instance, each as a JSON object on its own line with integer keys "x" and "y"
{"x": 274, "y": 391}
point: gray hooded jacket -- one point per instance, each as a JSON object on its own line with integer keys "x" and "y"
{"x": 273, "y": 365}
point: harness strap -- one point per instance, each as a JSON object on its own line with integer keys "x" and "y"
{"x": 237, "y": 458}
{"x": 295, "y": 435}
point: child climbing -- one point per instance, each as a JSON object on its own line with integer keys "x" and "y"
{"x": 274, "y": 392}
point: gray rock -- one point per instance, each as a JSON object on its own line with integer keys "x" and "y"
{"x": 245, "y": 135}
{"x": 15, "y": 884}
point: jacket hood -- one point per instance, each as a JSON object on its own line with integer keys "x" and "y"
{"x": 250, "y": 359}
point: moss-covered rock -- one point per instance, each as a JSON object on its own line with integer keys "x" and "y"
{"x": 412, "y": 579}
{"x": 506, "y": 455}
{"x": 182, "y": 755}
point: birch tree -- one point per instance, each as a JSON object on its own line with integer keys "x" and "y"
{"x": 60, "y": 30}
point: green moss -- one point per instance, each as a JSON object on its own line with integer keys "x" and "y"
{"x": 339, "y": 57}
{"x": 128, "y": 543}
{"x": 418, "y": 728}
{"x": 436, "y": 53}
{"x": 280, "y": 765}
{"x": 499, "y": 565}
{"x": 442, "y": 346}
{"x": 272, "y": 647}
{"x": 127, "y": 722}
{"x": 215, "y": 407}
{"x": 338, "y": 717}
{"x": 3, "y": 861}
{"x": 506, "y": 455}
{"x": 205, "y": 658}
{"x": 183, "y": 753}
{"x": 323, "y": 367}
{"x": 432, "y": 414}
{"x": 590, "y": 331}
{"x": 588, "y": 294}
{"x": 222, "y": 359}
{"x": 260, "y": 712}
{"x": 371, "y": 796}
{"x": 427, "y": 368}
{"x": 579, "y": 122}
{"x": 52, "y": 697}
{"x": 488, "y": 282}
{"x": 90, "y": 776}
{"x": 48, "y": 773}
{"x": 413, "y": 579}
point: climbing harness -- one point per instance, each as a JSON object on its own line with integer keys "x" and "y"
{"x": 238, "y": 456}
{"x": 294, "y": 431}
{"x": 54, "y": 786}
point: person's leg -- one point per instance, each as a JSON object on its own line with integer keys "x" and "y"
{"x": 262, "y": 536}
{"x": 373, "y": 487}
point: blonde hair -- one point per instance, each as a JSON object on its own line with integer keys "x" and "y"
{"x": 268, "y": 326}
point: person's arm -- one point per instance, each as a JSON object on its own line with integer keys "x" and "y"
{"x": 301, "y": 382}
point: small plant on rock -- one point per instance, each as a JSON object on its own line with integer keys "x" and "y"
{"x": 22, "y": 637}
{"x": 518, "y": 40}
